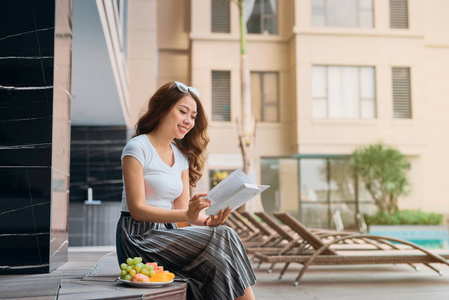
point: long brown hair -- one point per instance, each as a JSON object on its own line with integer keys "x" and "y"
{"x": 194, "y": 142}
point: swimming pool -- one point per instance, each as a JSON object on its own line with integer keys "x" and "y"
{"x": 426, "y": 236}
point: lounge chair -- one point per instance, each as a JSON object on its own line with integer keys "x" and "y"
{"x": 243, "y": 231}
{"x": 254, "y": 234}
{"x": 324, "y": 254}
{"x": 271, "y": 238}
{"x": 271, "y": 241}
{"x": 295, "y": 238}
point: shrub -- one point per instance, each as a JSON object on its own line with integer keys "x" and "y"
{"x": 405, "y": 217}
{"x": 383, "y": 171}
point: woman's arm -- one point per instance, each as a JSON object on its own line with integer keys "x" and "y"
{"x": 135, "y": 197}
{"x": 182, "y": 202}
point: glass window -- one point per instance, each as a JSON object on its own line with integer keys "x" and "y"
{"x": 216, "y": 176}
{"x": 125, "y": 27}
{"x": 315, "y": 190}
{"x": 342, "y": 13}
{"x": 342, "y": 183}
{"x": 121, "y": 15}
{"x": 343, "y": 92}
{"x": 261, "y": 16}
{"x": 265, "y": 96}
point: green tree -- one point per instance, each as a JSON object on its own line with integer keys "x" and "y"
{"x": 383, "y": 170}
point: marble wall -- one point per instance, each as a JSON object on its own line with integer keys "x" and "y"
{"x": 95, "y": 162}
{"x": 35, "y": 84}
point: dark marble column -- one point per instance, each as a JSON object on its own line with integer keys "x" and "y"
{"x": 35, "y": 84}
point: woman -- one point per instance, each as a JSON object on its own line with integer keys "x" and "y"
{"x": 159, "y": 164}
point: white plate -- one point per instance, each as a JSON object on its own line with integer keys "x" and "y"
{"x": 144, "y": 284}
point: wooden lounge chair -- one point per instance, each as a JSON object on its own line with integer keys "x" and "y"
{"x": 295, "y": 239}
{"x": 289, "y": 242}
{"x": 239, "y": 227}
{"x": 254, "y": 234}
{"x": 324, "y": 254}
{"x": 270, "y": 240}
{"x": 270, "y": 236}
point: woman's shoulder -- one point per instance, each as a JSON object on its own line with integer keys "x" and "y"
{"x": 137, "y": 147}
{"x": 136, "y": 142}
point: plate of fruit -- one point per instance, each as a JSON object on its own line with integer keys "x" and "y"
{"x": 136, "y": 273}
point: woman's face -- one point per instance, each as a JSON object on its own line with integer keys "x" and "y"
{"x": 181, "y": 118}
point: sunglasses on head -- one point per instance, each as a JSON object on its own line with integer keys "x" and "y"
{"x": 185, "y": 89}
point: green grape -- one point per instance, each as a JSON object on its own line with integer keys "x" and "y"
{"x": 132, "y": 272}
{"x": 140, "y": 259}
{"x": 151, "y": 268}
{"x": 129, "y": 260}
{"x": 123, "y": 273}
{"x": 127, "y": 278}
{"x": 123, "y": 266}
{"x": 145, "y": 272}
{"x": 151, "y": 273}
{"x": 122, "y": 277}
{"x": 146, "y": 267}
{"x": 128, "y": 268}
{"x": 138, "y": 267}
{"x": 136, "y": 260}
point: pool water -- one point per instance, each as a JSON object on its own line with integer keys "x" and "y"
{"x": 427, "y": 236}
{"x": 431, "y": 244}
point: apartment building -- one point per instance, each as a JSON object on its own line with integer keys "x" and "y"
{"x": 327, "y": 76}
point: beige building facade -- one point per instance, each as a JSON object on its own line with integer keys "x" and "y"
{"x": 327, "y": 77}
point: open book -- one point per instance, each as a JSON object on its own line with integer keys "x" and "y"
{"x": 234, "y": 191}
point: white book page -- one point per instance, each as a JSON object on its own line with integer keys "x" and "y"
{"x": 227, "y": 187}
{"x": 245, "y": 193}
{"x": 233, "y": 191}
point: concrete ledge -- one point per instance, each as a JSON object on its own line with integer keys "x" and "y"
{"x": 101, "y": 283}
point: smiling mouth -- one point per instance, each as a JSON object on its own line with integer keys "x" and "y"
{"x": 183, "y": 129}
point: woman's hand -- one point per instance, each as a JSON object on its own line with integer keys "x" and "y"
{"x": 220, "y": 218}
{"x": 196, "y": 205}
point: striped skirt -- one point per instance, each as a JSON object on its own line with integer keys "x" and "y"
{"x": 212, "y": 260}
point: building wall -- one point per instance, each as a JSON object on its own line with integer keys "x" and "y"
{"x": 221, "y": 51}
{"x": 35, "y": 86}
{"x": 423, "y": 47}
{"x": 435, "y": 159}
{"x": 142, "y": 56}
{"x": 173, "y": 23}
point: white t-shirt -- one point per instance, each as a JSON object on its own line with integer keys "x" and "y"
{"x": 163, "y": 184}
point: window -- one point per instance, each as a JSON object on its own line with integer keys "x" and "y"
{"x": 220, "y": 16}
{"x": 121, "y": 14}
{"x": 313, "y": 188}
{"x": 342, "y": 13}
{"x": 343, "y": 92}
{"x": 265, "y": 96}
{"x": 261, "y": 16}
{"x": 216, "y": 176}
{"x": 398, "y": 14}
{"x": 221, "y": 95}
{"x": 402, "y": 103}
